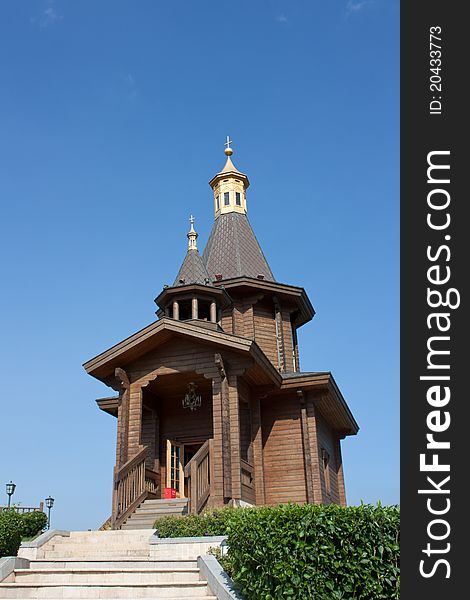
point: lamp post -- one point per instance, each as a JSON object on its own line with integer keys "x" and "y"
{"x": 10, "y": 491}
{"x": 49, "y": 505}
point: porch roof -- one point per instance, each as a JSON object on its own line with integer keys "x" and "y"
{"x": 102, "y": 366}
{"x": 331, "y": 404}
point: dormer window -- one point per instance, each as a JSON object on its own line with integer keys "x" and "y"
{"x": 238, "y": 199}
{"x": 226, "y": 198}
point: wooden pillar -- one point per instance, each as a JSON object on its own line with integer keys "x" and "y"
{"x": 176, "y": 310}
{"x": 135, "y": 420}
{"x": 257, "y": 441}
{"x": 281, "y": 351}
{"x": 217, "y": 473}
{"x": 339, "y": 472}
{"x": 194, "y": 309}
{"x": 123, "y": 417}
{"x": 157, "y": 442}
{"x": 306, "y": 448}
{"x": 235, "y": 437}
{"x": 224, "y": 443}
{"x": 314, "y": 450}
{"x": 296, "y": 349}
{"x": 237, "y": 321}
{"x": 213, "y": 315}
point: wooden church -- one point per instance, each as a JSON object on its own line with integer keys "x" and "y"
{"x": 212, "y": 407}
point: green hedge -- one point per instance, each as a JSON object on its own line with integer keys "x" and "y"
{"x": 304, "y": 552}
{"x": 14, "y": 527}
{"x": 10, "y": 532}
{"x": 33, "y": 523}
{"x": 316, "y": 552}
{"x": 208, "y": 523}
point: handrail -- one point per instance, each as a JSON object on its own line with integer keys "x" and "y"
{"x": 200, "y": 454}
{"x": 198, "y": 471}
{"x": 126, "y": 467}
{"x": 133, "y": 483}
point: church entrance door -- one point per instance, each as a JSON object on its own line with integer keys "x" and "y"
{"x": 175, "y": 467}
{"x": 177, "y": 457}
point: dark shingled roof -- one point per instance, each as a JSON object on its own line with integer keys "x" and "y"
{"x": 192, "y": 270}
{"x": 233, "y": 250}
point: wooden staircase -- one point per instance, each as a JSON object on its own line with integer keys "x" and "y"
{"x": 136, "y": 503}
{"x": 150, "y": 510}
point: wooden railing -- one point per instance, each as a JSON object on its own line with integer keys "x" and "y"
{"x": 198, "y": 473}
{"x": 133, "y": 483}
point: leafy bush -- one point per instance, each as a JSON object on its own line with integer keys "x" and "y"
{"x": 10, "y": 533}
{"x": 33, "y": 523}
{"x": 316, "y": 552}
{"x": 304, "y": 552}
{"x": 209, "y": 523}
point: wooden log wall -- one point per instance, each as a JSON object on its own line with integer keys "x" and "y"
{"x": 246, "y": 448}
{"x": 327, "y": 440}
{"x": 265, "y": 332}
{"x": 284, "y": 471}
{"x": 339, "y": 472}
{"x": 314, "y": 450}
{"x": 234, "y": 404}
{"x": 149, "y": 437}
{"x": 257, "y": 446}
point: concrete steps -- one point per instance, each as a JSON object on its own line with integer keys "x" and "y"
{"x": 150, "y": 510}
{"x": 175, "y": 591}
{"x": 112, "y": 576}
{"x": 127, "y": 563}
{"x": 104, "y": 564}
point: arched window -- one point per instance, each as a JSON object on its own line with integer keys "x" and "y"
{"x": 238, "y": 199}
{"x": 226, "y": 198}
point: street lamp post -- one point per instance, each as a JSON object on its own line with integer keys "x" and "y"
{"x": 10, "y": 491}
{"x": 49, "y": 505}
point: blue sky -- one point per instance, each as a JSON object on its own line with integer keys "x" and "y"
{"x": 113, "y": 117}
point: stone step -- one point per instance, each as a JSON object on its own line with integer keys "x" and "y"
{"x": 109, "y": 544}
{"x": 120, "y": 554}
{"x": 163, "y": 501}
{"x": 88, "y": 544}
{"x": 108, "y": 575}
{"x": 101, "y": 552}
{"x": 103, "y": 536}
{"x": 158, "y": 511}
{"x": 180, "y": 591}
{"x": 136, "y": 519}
{"x": 129, "y": 563}
{"x": 163, "y": 507}
{"x": 56, "y": 597}
{"x": 129, "y": 526}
